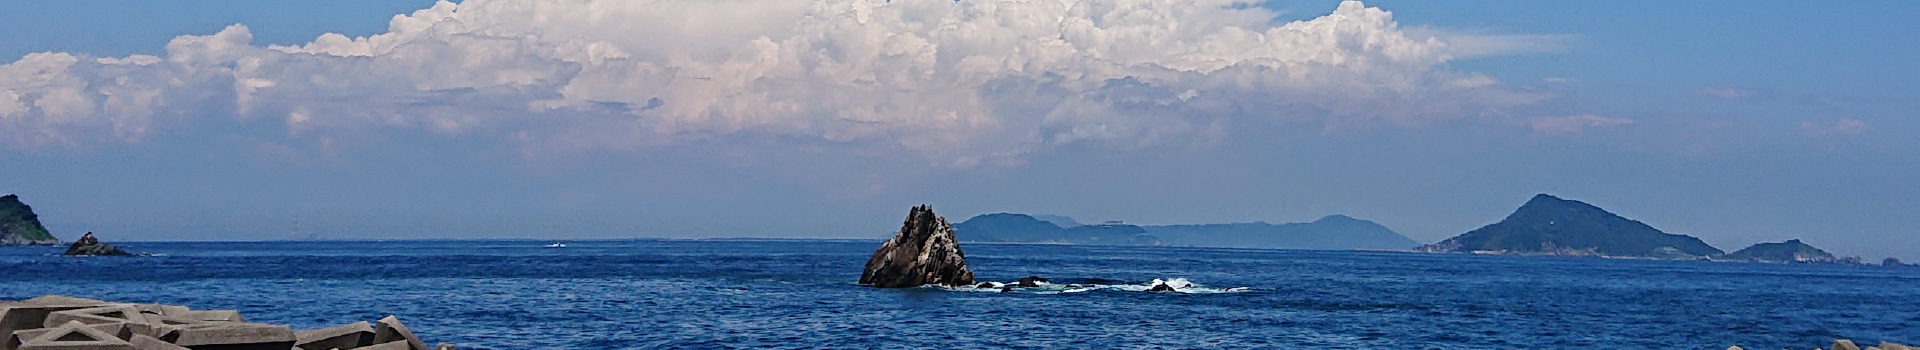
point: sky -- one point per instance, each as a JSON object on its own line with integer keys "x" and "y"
{"x": 1734, "y": 121}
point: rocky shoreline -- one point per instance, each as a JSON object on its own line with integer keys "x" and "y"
{"x": 62, "y": 322}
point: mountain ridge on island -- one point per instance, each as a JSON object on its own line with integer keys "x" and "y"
{"x": 1549, "y": 225}
{"x": 1333, "y": 232}
{"x": 20, "y": 226}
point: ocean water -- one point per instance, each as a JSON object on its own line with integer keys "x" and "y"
{"x": 771, "y": 294}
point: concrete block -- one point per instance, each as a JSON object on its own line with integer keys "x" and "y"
{"x": 117, "y": 330}
{"x": 234, "y": 336}
{"x": 213, "y": 315}
{"x": 392, "y": 345}
{"x": 164, "y": 310}
{"x": 349, "y": 336}
{"x": 97, "y": 315}
{"x": 389, "y": 329}
{"x": 151, "y": 330}
{"x": 63, "y": 300}
{"x": 75, "y": 336}
{"x": 141, "y": 342}
{"x": 175, "y": 321}
{"x": 24, "y": 315}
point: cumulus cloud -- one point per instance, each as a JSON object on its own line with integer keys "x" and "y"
{"x": 958, "y": 81}
{"x": 1573, "y": 124}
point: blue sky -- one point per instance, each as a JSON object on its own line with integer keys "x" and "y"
{"x": 1734, "y": 121}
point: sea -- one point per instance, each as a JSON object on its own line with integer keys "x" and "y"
{"x": 802, "y": 294}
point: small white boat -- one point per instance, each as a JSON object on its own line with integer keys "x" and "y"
{"x": 557, "y": 245}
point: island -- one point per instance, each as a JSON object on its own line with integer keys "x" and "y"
{"x": 1333, "y": 232}
{"x": 1548, "y": 225}
{"x": 19, "y": 225}
{"x": 1790, "y": 251}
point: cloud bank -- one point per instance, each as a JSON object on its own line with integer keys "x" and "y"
{"x": 957, "y": 81}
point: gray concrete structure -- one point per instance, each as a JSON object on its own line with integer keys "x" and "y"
{"x": 66, "y": 323}
{"x": 235, "y": 336}
{"x": 350, "y": 336}
{"x": 75, "y": 336}
{"x": 141, "y": 342}
{"x": 97, "y": 315}
{"x": 32, "y": 313}
{"x": 389, "y": 329}
{"x": 393, "y": 345}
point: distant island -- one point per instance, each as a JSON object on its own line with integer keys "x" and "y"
{"x": 1331, "y": 232}
{"x": 1552, "y": 226}
{"x": 1548, "y": 225}
{"x": 1790, "y": 251}
{"x": 19, "y": 226}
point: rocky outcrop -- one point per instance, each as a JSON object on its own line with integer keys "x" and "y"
{"x": 60, "y": 322}
{"x": 89, "y": 246}
{"x": 923, "y": 252}
{"x": 19, "y": 226}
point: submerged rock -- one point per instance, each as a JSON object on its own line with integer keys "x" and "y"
{"x": 1032, "y": 281}
{"x": 89, "y": 246}
{"x": 1161, "y": 287}
{"x": 924, "y": 252}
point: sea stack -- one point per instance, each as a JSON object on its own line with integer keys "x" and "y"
{"x": 924, "y": 252}
{"x": 89, "y": 246}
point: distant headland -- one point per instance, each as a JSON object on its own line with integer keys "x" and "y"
{"x": 19, "y": 226}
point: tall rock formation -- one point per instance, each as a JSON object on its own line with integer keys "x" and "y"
{"x": 1553, "y": 226}
{"x": 89, "y": 246}
{"x": 924, "y": 252}
{"x": 19, "y": 226}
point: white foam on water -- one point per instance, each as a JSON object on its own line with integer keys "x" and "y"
{"x": 1180, "y": 285}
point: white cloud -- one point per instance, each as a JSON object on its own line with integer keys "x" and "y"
{"x": 957, "y": 81}
{"x": 1844, "y": 126}
{"x": 1728, "y": 93}
{"x": 1573, "y": 124}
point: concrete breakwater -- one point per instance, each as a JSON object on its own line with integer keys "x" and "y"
{"x": 68, "y": 323}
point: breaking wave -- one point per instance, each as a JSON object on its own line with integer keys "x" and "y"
{"x": 1179, "y": 285}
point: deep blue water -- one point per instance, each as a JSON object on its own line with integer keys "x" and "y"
{"x": 801, "y": 294}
